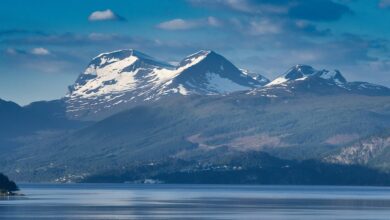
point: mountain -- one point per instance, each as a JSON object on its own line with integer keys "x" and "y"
{"x": 306, "y": 79}
{"x": 17, "y": 122}
{"x": 201, "y": 120}
{"x": 203, "y": 129}
{"x": 305, "y": 72}
{"x": 118, "y": 80}
{"x": 8, "y": 106}
{"x": 209, "y": 73}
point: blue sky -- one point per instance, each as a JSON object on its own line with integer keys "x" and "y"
{"x": 45, "y": 44}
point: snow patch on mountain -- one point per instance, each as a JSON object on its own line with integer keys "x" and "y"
{"x": 193, "y": 59}
{"x": 258, "y": 77}
{"x": 223, "y": 85}
{"x": 277, "y": 81}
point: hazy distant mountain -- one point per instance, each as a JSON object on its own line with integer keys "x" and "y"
{"x": 305, "y": 72}
{"x": 16, "y": 120}
{"x": 306, "y": 79}
{"x": 39, "y": 119}
{"x": 118, "y": 80}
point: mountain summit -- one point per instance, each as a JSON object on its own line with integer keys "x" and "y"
{"x": 207, "y": 72}
{"x": 119, "y": 79}
{"x": 306, "y": 79}
{"x": 304, "y": 72}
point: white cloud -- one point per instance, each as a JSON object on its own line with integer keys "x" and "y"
{"x": 99, "y": 36}
{"x": 246, "y": 6}
{"x": 178, "y": 24}
{"x": 264, "y": 27}
{"x": 182, "y": 24}
{"x": 239, "y": 5}
{"x": 212, "y": 21}
{"x": 106, "y": 15}
{"x": 40, "y": 51}
{"x": 256, "y": 27}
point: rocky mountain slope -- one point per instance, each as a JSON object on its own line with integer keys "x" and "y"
{"x": 373, "y": 151}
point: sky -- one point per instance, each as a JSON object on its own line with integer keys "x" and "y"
{"x": 46, "y": 44}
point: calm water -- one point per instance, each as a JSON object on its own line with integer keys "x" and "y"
{"x": 125, "y": 201}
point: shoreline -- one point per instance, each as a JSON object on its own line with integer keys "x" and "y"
{"x": 9, "y": 193}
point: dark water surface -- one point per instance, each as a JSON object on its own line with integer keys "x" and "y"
{"x": 126, "y": 201}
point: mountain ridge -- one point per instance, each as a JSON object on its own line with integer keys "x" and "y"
{"x": 305, "y": 79}
{"x": 125, "y": 78}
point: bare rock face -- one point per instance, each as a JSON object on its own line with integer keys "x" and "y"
{"x": 362, "y": 152}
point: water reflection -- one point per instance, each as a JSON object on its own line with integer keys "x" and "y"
{"x": 121, "y": 201}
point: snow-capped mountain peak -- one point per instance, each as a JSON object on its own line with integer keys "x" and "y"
{"x": 335, "y": 76}
{"x": 305, "y": 72}
{"x": 207, "y": 72}
{"x": 299, "y": 71}
{"x": 125, "y": 77}
{"x": 115, "y": 72}
{"x": 302, "y": 79}
{"x": 117, "y": 55}
{"x": 195, "y": 57}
